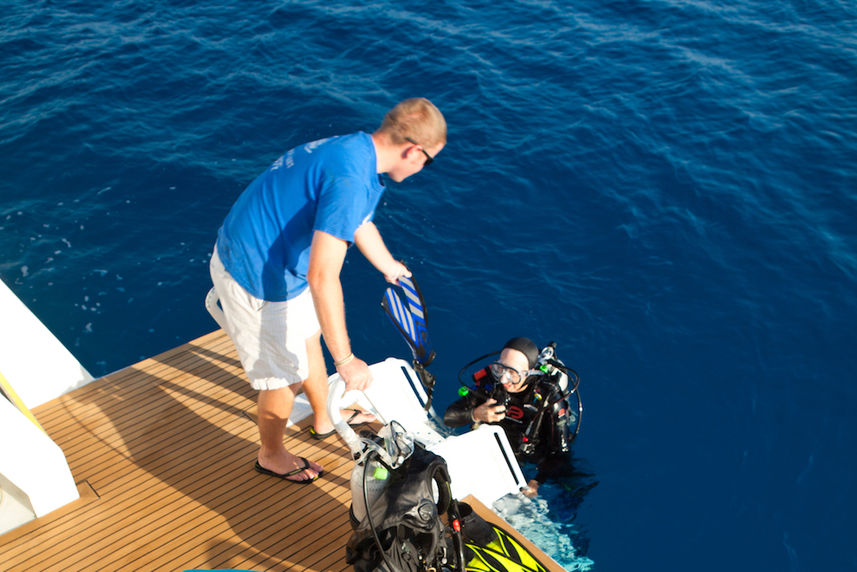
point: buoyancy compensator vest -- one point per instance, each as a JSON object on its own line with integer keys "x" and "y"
{"x": 400, "y": 528}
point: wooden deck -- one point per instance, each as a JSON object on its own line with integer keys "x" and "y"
{"x": 162, "y": 453}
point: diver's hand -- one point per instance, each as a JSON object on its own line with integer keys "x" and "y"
{"x": 394, "y": 271}
{"x": 531, "y": 490}
{"x": 489, "y": 412}
{"x": 356, "y": 374}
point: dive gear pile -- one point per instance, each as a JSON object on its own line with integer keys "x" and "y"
{"x": 400, "y": 492}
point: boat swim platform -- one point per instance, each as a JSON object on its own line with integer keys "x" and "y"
{"x": 162, "y": 453}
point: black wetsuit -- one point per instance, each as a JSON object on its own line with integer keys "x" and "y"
{"x": 543, "y": 441}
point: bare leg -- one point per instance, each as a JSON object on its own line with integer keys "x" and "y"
{"x": 275, "y": 405}
{"x": 315, "y": 385}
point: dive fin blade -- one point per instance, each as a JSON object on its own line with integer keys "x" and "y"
{"x": 409, "y": 317}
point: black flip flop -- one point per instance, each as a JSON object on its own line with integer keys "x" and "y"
{"x": 320, "y": 436}
{"x": 285, "y": 476}
{"x": 356, "y": 412}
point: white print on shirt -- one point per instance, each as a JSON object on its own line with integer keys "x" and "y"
{"x": 289, "y": 158}
{"x": 310, "y": 147}
{"x": 279, "y": 162}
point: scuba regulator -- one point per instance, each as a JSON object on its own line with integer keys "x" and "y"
{"x": 500, "y": 394}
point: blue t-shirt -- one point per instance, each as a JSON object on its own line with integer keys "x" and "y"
{"x": 330, "y": 185}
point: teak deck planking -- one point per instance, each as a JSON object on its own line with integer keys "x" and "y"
{"x": 162, "y": 453}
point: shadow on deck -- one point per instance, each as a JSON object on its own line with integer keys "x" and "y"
{"x": 163, "y": 452}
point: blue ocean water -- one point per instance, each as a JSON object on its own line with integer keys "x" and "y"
{"x": 666, "y": 188}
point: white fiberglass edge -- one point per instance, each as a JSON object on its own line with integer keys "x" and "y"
{"x": 32, "y": 360}
{"x": 33, "y": 464}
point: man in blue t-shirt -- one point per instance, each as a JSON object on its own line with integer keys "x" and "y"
{"x": 277, "y": 260}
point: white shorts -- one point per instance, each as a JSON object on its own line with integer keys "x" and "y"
{"x": 270, "y": 337}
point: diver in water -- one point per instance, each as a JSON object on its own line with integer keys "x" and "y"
{"x": 525, "y": 392}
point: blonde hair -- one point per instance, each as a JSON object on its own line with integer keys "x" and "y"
{"x": 416, "y": 119}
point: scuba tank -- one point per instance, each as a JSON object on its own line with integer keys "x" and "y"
{"x": 371, "y": 474}
{"x": 373, "y": 481}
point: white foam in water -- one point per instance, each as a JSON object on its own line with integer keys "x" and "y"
{"x": 530, "y": 518}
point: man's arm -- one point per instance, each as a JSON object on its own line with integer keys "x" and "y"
{"x": 465, "y": 411}
{"x": 327, "y": 254}
{"x": 459, "y": 412}
{"x": 371, "y": 245}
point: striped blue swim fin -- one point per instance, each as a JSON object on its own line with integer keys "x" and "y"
{"x": 409, "y": 317}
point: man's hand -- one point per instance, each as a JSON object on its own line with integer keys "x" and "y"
{"x": 394, "y": 271}
{"x": 369, "y": 241}
{"x": 489, "y": 412}
{"x": 356, "y": 374}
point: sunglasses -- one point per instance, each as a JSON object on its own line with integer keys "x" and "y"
{"x": 429, "y": 158}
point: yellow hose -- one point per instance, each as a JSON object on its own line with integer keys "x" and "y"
{"x": 6, "y": 389}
